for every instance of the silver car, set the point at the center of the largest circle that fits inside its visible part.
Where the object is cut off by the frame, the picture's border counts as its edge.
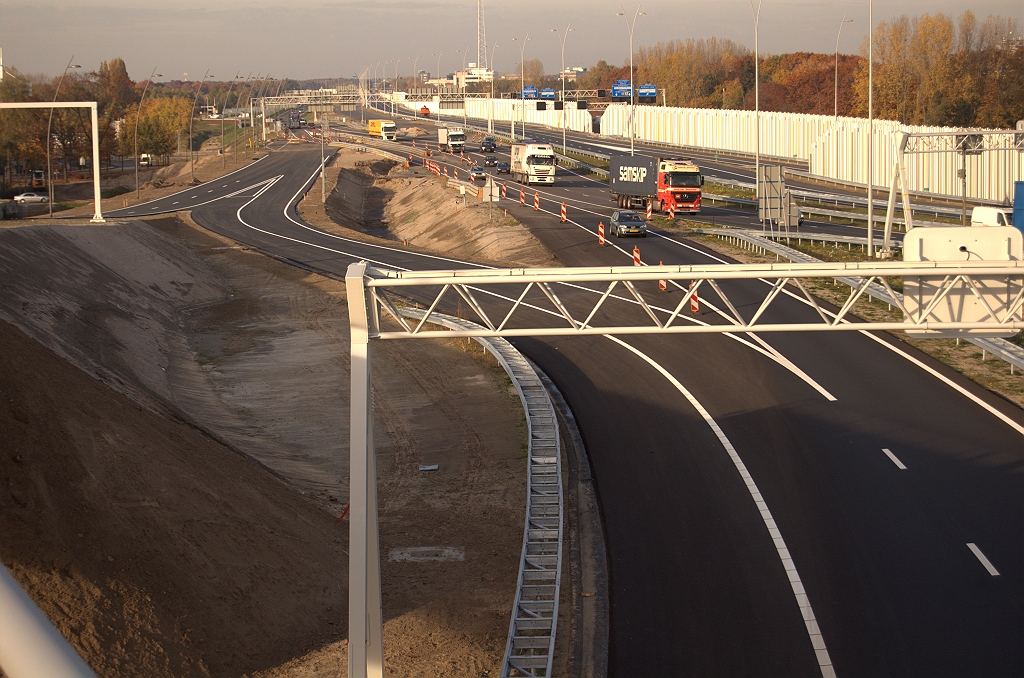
(26, 198)
(628, 222)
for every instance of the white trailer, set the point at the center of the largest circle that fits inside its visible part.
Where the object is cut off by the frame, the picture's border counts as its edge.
(533, 163)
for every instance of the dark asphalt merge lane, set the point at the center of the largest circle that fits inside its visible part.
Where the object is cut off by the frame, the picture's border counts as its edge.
(698, 587)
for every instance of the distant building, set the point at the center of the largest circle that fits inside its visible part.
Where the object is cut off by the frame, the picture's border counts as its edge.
(570, 74)
(472, 75)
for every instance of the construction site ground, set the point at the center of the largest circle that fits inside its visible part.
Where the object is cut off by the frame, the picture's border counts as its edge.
(175, 444)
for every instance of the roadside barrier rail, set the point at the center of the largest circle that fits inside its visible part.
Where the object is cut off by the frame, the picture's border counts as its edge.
(530, 646)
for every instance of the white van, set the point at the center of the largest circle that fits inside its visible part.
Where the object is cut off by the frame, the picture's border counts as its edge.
(992, 216)
(145, 160)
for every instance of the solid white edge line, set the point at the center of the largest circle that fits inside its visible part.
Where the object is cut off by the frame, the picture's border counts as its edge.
(899, 464)
(984, 561)
(1009, 422)
(810, 622)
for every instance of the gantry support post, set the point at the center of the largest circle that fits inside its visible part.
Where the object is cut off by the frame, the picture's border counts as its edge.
(365, 621)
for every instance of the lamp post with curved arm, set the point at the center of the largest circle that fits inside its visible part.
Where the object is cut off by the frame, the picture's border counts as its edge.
(394, 88)
(522, 85)
(415, 77)
(49, 171)
(138, 114)
(191, 155)
(844, 21)
(437, 76)
(562, 37)
(631, 26)
(238, 100)
(490, 108)
(757, 105)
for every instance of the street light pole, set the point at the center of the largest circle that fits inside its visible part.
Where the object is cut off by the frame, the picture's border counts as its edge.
(191, 156)
(415, 79)
(49, 171)
(844, 21)
(563, 37)
(394, 88)
(871, 127)
(490, 107)
(464, 51)
(437, 76)
(631, 26)
(522, 85)
(138, 114)
(757, 104)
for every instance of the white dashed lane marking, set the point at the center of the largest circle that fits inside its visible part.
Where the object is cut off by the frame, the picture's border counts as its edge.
(899, 464)
(984, 561)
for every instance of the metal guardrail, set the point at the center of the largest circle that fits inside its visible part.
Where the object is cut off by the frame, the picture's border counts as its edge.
(530, 646)
(1001, 348)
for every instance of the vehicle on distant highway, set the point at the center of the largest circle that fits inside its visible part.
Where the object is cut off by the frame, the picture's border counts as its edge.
(992, 216)
(636, 180)
(490, 160)
(145, 160)
(477, 173)
(503, 168)
(488, 145)
(385, 129)
(628, 223)
(424, 110)
(26, 198)
(451, 138)
(533, 163)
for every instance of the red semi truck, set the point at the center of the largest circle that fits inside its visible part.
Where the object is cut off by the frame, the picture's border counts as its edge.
(635, 180)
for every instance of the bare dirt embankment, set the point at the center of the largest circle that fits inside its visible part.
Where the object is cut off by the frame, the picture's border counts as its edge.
(374, 198)
(173, 411)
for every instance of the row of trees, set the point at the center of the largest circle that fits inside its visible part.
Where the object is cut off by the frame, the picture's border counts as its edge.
(162, 123)
(928, 70)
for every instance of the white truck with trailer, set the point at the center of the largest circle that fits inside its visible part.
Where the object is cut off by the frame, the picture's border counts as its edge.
(451, 138)
(533, 163)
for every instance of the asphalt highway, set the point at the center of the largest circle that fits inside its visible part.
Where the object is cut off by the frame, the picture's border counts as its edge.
(773, 506)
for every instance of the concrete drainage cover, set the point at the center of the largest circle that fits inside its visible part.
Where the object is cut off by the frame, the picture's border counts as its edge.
(424, 554)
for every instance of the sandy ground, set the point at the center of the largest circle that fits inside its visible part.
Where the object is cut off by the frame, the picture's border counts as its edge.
(174, 459)
(378, 199)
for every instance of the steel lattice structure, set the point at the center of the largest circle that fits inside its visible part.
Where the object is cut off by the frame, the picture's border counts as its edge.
(580, 301)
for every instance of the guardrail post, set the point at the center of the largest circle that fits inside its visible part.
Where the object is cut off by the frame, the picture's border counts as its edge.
(365, 620)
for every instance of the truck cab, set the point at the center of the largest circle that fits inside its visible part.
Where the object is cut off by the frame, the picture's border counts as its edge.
(385, 129)
(451, 139)
(679, 184)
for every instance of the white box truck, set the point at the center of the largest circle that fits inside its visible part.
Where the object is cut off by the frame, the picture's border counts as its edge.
(533, 163)
(451, 138)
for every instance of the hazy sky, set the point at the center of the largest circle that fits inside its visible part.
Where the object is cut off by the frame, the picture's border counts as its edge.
(309, 38)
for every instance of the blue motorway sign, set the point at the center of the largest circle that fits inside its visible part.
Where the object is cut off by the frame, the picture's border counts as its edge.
(529, 92)
(622, 88)
(647, 91)
(547, 93)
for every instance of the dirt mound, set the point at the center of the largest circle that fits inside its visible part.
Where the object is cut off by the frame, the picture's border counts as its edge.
(158, 549)
(387, 201)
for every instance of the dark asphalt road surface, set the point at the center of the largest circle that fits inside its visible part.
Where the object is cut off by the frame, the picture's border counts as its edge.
(698, 586)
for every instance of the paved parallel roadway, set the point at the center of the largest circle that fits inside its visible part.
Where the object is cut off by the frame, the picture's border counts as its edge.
(697, 583)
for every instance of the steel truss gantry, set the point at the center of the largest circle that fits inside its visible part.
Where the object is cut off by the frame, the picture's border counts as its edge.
(965, 142)
(581, 301)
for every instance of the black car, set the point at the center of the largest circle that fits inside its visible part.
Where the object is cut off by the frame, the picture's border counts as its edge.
(490, 160)
(488, 145)
(628, 223)
(503, 167)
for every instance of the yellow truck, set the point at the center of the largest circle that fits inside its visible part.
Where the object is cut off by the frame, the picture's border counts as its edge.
(385, 129)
